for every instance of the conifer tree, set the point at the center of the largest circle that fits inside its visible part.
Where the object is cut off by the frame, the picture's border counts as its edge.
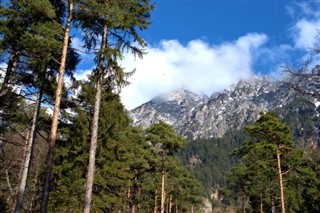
(269, 128)
(167, 143)
(122, 156)
(117, 23)
(272, 168)
(36, 45)
(31, 33)
(58, 92)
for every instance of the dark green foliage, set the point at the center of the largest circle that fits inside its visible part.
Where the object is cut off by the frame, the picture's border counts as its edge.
(126, 164)
(130, 160)
(270, 129)
(211, 159)
(30, 41)
(253, 184)
(184, 188)
(164, 138)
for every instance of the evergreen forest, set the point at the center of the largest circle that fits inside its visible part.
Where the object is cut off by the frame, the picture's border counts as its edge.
(72, 147)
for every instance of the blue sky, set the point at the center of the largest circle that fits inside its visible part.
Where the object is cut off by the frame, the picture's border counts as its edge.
(207, 45)
(216, 21)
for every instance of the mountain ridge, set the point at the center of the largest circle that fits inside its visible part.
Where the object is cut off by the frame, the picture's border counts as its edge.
(196, 115)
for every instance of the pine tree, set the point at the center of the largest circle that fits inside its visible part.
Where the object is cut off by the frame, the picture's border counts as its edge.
(271, 168)
(166, 143)
(58, 92)
(269, 128)
(31, 34)
(116, 22)
(37, 41)
(122, 156)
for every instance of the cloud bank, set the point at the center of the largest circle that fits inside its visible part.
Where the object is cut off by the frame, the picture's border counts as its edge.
(208, 68)
(197, 65)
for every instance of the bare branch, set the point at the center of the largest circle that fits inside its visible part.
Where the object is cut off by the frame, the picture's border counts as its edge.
(10, 142)
(8, 182)
(22, 136)
(283, 173)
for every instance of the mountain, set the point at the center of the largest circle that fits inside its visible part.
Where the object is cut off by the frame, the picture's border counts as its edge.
(175, 108)
(214, 124)
(198, 116)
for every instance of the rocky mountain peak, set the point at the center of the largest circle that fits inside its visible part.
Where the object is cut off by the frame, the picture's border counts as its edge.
(179, 95)
(195, 115)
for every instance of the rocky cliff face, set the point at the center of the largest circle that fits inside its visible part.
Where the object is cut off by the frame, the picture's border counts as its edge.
(195, 115)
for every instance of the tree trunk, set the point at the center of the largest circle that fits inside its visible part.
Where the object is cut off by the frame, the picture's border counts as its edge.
(15, 193)
(261, 203)
(129, 200)
(155, 202)
(170, 204)
(11, 68)
(95, 125)
(243, 207)
(33, 199)
(27, 160)
(55, 117)
(133, 199)
(273, 210)
(163, 196)
(138, 199)
(280, 180)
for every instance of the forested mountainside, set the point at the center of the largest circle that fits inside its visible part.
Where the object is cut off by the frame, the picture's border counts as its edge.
(210, 159)
(214, 125)
(209, 155)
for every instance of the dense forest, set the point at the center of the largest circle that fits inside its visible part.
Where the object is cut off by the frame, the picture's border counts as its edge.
(72, 147)
(233, 167)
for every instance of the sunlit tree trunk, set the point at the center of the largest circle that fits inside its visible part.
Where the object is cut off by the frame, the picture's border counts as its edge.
(261, 203)
(14, 193)
(170, 204)
(163, 196)
(55, 117)
(27, 159)
(95, 124)
(280, 180)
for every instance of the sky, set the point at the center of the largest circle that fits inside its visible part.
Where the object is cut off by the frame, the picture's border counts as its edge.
(207, 45)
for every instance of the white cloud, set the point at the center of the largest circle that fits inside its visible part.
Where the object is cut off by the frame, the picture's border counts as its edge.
(78, 45)
(79, 75)
(82, 74)
(307, 27)
(197, 65)
(306, 32)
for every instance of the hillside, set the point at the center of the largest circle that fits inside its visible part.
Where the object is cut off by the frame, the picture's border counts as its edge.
(213, 125)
